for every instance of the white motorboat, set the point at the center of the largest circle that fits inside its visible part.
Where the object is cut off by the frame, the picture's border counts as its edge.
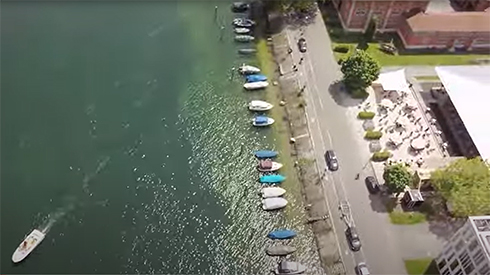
(244, 38)
(259, 105)
(247, 69)
(268, 166)
(272, 192)
(260, 121)
(274, 203)
(256, 85)
(242, 30)
(287, 267)
(26, 246)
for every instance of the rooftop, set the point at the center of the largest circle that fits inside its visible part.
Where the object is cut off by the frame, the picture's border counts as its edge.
(481, 224)
(450, 22)
(469, 90)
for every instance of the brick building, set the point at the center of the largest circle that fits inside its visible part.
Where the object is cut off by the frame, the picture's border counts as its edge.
(356, 14)
(452, 31)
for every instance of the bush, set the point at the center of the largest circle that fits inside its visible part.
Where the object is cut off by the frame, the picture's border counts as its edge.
(381, 156)
(341, 49)
(365, 115)
(373, 135)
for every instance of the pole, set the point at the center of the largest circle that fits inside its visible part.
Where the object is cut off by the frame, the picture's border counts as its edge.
(215, 13)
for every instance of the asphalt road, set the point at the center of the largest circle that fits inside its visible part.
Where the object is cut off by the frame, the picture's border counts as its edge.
(331, 128)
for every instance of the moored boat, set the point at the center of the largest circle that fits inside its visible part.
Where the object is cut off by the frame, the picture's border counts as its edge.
(274, 203)
(242, 30)
(262, 154)
(272, 192)
(256, 85)
(243, 22)
(288, 267)
(259, 105)
(268, 166)
(272, 179)
(247, 69)
(247, 51)
(280, 250)
(27, 246)
(281, 234)
(240, 7)
(256, 78)
(262, 121)
(244, 38)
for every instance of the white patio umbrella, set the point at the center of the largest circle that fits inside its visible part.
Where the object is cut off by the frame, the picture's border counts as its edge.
(418, 144)
(387, 103)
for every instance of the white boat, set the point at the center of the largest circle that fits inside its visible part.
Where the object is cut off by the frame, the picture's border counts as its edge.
(259, 105)
(268, 166)
(27, 245)
(247, 69)
(242, 30)
(274, 203)
(244, 38)
(261, 121)
(256, 85)
(272, 192)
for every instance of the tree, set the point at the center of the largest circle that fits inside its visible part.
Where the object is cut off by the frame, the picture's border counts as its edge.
(465, 184)
(397, 177)
(371, 29)
(360, 70)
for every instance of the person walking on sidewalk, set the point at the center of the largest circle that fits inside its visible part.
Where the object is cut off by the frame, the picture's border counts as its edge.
(301, 60)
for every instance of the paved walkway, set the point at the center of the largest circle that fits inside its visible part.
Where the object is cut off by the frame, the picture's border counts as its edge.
(333, 126)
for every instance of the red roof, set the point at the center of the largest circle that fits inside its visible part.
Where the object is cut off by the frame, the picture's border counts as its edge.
(450, 22)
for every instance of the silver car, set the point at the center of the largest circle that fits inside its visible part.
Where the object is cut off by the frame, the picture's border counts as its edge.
(361, 269)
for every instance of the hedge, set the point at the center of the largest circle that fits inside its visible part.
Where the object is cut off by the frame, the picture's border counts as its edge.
(341, 49)
(373, 134)
(365, 115)
(381, 156)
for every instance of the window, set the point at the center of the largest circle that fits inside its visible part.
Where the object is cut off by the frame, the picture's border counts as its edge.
(396, 11)
(454, 264)
(459, 272)
(459, 245)
(469, 268)
(472, 245)
(360, 12)
(479, 257)
(441, 264)
(446, 272)
(464, 259)
(485, 270)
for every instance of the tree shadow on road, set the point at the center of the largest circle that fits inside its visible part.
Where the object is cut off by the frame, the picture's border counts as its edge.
(381, 203)
(341, 97)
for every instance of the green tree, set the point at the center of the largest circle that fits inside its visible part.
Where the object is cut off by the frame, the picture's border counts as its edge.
(360, 70)
(465, 184)
(304, 6)
(397, 177)
(371, 29)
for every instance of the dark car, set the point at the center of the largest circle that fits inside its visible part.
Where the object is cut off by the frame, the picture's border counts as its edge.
(353, 239)
(362, 269)
(302, 45)
(240, 7)
(372, 184)
(331, 159)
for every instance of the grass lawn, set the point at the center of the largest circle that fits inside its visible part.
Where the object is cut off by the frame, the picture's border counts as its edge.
(400, 217)
(421, 266)
(411, 59)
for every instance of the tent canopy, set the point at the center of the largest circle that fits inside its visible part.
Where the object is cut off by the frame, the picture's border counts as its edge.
(393, 81)
(469, 90)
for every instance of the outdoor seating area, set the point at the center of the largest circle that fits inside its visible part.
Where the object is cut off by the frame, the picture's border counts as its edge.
(407, 127)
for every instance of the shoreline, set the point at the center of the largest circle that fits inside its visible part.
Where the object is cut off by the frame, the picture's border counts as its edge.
(304, 166)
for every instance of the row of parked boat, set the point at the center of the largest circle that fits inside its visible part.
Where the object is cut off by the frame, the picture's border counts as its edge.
(271, 193)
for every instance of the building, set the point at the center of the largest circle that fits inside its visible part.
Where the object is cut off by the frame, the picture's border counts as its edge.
(472, 5)
(453, 31)
(356, 14)
(468, 250)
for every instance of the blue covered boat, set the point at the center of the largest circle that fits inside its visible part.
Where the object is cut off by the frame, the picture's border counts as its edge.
(265, 154)
(272, 179)
(281, 234)
(256, 78)
(261, 121)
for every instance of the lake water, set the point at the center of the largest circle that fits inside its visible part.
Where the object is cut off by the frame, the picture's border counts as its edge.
(125, 136)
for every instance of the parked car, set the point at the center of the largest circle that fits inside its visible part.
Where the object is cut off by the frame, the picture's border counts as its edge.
(331, 159)
(361, 269)
(353, 238)
(302, 45)
(372, 184)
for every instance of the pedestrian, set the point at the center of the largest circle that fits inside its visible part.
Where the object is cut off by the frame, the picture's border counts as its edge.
(301, 60)
(295, 69)
(290, 50)
(304, 87)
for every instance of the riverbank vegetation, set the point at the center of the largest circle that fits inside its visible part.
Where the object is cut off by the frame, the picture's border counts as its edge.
(423, 266)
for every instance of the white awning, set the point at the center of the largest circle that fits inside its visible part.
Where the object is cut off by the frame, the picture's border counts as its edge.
(393, 81)
(469, 90)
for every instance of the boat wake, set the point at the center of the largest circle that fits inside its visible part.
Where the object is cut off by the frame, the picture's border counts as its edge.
(53, 217)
